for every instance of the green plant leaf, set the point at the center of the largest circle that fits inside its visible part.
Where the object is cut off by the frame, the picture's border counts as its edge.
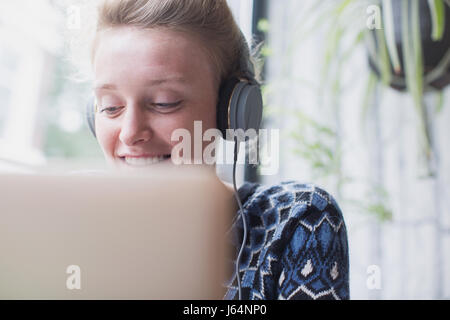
(388, 19)
(368, 95)
(263, 25)
(266, 51)
(359, 38)
(439, 101)
(437, 9)
(384, 65)
(413, 61)
(380, 211)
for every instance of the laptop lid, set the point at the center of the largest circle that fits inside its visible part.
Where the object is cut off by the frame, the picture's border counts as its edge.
(158, 235)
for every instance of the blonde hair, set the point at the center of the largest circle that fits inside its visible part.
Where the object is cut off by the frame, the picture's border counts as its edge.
(211, 21)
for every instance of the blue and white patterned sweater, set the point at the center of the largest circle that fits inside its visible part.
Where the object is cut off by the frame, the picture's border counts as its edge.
(296, 244)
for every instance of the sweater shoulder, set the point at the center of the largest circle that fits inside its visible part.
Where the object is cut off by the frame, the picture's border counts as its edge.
(292, 200)
(278, 218)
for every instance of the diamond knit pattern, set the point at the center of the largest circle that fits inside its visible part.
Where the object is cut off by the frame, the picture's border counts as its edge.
(296, 244)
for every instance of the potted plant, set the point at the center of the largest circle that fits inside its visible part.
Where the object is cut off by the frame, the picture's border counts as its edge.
(411, 52)
(434, 36)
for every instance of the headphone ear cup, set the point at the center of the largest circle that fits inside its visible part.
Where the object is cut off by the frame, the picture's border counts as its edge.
(90, 115)
(239, 107)
(223, 104)
(248, 104)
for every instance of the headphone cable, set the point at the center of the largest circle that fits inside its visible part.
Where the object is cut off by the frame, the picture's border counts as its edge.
(242, 217)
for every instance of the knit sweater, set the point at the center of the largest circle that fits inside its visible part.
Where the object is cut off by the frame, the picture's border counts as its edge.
(296, 244)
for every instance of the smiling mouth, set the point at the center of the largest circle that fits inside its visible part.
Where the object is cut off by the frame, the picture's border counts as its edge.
(144, 161)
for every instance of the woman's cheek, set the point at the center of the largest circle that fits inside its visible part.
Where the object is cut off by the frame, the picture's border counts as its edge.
(107, 139)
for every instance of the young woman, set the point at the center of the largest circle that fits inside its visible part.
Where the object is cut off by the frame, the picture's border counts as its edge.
(160, 65)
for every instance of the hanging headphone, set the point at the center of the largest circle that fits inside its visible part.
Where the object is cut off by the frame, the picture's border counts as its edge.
(240, 101)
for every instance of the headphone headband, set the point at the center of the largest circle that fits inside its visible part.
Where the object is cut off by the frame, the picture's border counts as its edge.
(245, 64)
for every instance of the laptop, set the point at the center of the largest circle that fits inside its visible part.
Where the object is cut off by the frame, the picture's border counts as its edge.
(156, 235)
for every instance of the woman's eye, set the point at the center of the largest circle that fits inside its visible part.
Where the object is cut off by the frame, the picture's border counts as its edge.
(166, 105)
(162, 107)
(110, 110)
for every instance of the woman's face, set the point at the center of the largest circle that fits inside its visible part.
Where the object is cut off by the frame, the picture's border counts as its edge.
(148, 83)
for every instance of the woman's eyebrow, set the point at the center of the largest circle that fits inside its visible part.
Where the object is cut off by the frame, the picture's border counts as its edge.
(105, 86)
(149, 83)
(161, 81)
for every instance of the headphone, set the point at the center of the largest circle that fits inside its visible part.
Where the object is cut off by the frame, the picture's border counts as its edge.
(240, 100)
(239, 106)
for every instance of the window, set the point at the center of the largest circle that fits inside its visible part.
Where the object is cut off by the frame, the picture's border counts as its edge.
(8, 65)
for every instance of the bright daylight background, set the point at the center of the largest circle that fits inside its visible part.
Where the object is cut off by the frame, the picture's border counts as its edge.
(362, 148)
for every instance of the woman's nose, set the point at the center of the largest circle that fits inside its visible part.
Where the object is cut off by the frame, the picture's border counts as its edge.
(135, 128)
